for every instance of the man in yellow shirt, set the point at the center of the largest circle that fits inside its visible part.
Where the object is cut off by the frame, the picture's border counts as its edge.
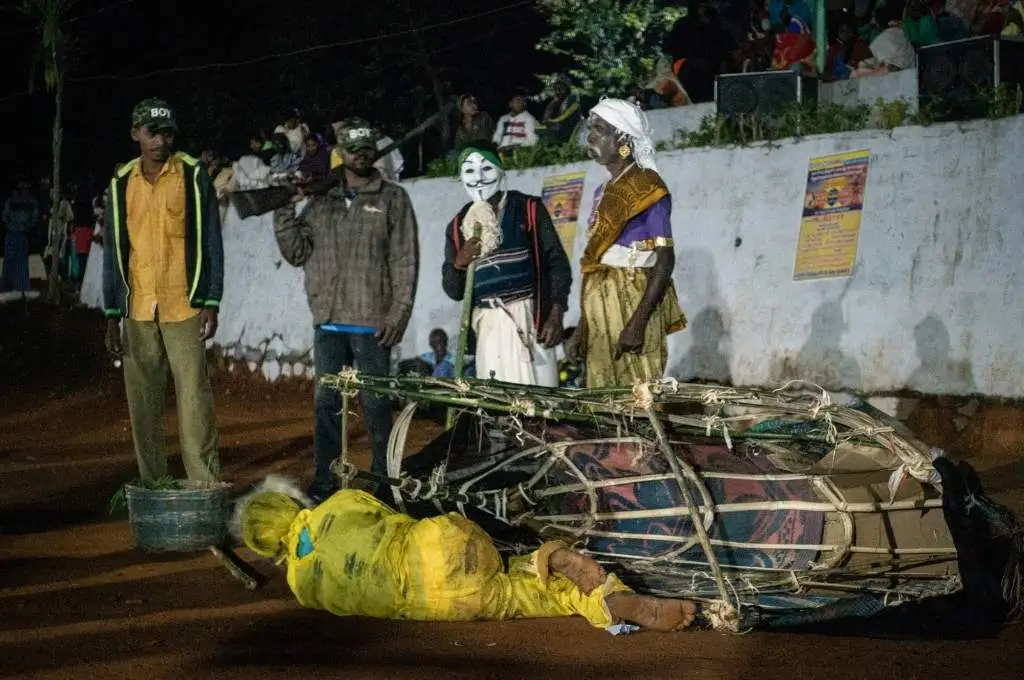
(163, 275)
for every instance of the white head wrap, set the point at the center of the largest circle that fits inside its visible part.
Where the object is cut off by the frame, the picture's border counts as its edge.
(629, 119)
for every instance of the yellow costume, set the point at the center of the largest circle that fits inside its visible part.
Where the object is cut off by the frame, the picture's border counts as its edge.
(612, 293)
(354, 556)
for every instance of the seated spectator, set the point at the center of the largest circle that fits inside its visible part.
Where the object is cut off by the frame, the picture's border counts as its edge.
(474, 125)
(846, 52)
(646, 99)
(316, 163)
(1014, 26)
(284, 162)
(252, 171)
(440, 360)
(891, 49)
(295, 130)
(666, 84)
(516, 128)
(794, 47)
(920, 24)
(991, 17)
(562, 114)
(759, 22)
(704, 46)
(782, 12)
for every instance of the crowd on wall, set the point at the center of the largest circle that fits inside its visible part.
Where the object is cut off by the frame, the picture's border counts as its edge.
(865, 38)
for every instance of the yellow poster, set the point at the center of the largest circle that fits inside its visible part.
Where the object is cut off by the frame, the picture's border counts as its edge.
(562, 195)
(830, 227)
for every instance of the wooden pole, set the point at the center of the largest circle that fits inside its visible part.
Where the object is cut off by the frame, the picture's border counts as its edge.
(467, 317)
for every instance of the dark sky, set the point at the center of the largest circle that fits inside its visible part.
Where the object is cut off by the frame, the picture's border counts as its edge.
(126, 50)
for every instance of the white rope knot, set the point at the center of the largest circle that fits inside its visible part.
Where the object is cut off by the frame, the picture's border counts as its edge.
(344, 471)
(523, 407)
(461, 386)
(643, 398)
(722, 616)
(712, 397)
(348, 376)
(667, 385)
(716, 421)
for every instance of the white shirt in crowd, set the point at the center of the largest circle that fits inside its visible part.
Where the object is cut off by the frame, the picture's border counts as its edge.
(296, 136)
(250, 173)
(516, 130)
(891, 48)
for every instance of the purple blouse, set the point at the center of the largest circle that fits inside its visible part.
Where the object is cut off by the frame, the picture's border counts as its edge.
(650, 229)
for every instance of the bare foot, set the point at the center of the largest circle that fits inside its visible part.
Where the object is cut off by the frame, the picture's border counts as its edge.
(583, 571)
(655, 613)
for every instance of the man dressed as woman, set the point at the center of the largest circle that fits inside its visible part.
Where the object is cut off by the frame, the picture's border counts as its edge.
(629, 305)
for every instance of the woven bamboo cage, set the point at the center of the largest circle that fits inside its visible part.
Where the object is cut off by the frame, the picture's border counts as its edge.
(650, 480)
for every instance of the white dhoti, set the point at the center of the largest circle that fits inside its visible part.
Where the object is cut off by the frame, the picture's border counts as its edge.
(506, 345)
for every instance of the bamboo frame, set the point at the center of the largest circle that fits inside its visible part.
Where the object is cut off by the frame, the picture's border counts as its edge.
(643, 416)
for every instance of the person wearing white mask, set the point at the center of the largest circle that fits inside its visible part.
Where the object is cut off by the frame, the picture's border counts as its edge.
(628, 300)
(521, 279)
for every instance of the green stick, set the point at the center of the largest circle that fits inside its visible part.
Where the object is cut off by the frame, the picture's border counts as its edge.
(467, 315)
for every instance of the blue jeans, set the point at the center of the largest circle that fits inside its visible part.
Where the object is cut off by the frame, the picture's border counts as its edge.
(331, 353)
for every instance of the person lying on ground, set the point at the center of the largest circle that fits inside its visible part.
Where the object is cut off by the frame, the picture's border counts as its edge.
(354, 556)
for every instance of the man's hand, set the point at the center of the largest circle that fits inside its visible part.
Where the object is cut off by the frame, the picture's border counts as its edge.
(469, 252)
(576, 346)
(631, 339)
(388, 335)
(551, 331)
(207, 324)
(112, 341)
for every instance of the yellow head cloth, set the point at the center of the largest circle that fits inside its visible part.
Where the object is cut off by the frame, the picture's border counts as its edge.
(264, 517)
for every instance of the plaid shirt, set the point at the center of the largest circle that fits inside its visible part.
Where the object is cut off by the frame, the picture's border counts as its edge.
(361, 260)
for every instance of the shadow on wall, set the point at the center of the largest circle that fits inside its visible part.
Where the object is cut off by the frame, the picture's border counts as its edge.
(821, 360)
(706, 359)
(938, 373)
(697, 285)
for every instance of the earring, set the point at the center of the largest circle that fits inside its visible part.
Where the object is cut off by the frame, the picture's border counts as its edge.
(624, 151)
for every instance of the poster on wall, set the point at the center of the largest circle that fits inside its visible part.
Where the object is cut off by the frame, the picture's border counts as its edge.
(562, 195)
(830, 226)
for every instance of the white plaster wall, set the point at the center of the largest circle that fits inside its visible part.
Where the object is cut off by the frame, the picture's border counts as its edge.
(666, 122)
(869, 89)
(936, 302)
(853, 92)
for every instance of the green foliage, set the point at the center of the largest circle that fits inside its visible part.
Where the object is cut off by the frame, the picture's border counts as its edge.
(1004, 100)
(794, 120)
(48, 56)
(526, 157)
(119, 501)
(611, 44)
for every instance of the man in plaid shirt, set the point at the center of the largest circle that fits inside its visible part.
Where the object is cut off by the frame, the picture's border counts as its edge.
(359, 248)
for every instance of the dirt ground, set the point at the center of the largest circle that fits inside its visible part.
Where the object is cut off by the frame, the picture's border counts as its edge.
(78, 601)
